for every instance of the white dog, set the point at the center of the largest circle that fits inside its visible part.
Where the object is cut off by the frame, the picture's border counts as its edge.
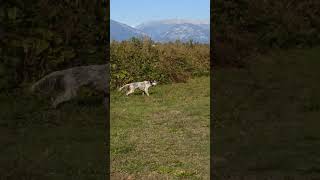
(143, 86)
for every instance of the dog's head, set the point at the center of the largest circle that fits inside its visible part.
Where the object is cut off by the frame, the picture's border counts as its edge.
(153, 83)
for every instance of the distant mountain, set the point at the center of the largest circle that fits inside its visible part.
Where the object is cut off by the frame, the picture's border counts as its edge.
(120, 31)
(173, 29)
(163, 31)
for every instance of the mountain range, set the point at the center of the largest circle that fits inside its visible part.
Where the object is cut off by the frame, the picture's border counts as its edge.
(163, 30)
(120, 31)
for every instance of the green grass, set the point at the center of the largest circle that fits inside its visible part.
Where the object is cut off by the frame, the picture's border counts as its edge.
(42, 143)
(165, 135)
(267, 116)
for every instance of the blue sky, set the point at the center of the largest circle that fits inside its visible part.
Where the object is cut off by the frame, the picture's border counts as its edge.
(134, 12)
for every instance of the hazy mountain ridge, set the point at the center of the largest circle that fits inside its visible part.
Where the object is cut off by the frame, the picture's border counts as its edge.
(186, 32)
(168, 30)
(120, 31)
(174, 21)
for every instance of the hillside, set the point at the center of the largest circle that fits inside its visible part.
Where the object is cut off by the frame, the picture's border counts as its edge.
(120, 31)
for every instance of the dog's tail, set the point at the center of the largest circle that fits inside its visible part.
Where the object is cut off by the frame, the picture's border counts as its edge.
(123, 87)
(47, 83)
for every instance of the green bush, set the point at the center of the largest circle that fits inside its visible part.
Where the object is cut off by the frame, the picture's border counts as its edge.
(138, 60)
(41, 36)
(245, 27)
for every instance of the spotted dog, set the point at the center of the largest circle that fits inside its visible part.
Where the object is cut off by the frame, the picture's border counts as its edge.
(143, 86)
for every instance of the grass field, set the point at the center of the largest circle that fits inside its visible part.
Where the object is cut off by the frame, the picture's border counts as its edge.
(41, 143)
(165, 135)
(267, 117)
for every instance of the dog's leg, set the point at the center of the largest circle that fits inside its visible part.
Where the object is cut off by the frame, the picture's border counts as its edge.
(146, 90)
(66, 96)
(129, 92)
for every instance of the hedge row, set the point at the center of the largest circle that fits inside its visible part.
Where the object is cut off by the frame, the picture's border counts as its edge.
(138, 60)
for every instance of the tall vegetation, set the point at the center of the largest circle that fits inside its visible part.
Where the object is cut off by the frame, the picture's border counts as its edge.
(41, 36)
(137, 60)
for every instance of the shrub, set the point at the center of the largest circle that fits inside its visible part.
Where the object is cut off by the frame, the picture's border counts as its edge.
(138, 60)
(41, 36)
(244, 27)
